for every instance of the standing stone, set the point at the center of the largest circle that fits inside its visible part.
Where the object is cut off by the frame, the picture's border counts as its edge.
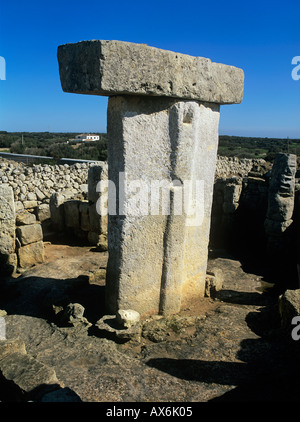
(158, 257)
(162, 127)
(96, 174)
(7, 229)
(72, 215)
(280, 202)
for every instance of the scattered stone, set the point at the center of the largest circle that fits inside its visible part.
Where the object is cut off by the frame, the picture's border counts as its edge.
(109, 325)
(127, 318)
(73, 315)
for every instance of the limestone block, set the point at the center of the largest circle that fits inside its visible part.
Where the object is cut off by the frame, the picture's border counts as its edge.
(31, 254)
(24, 217)
(158, 242)
(7, 228)
(108, 68)
(84, 216)
(43, 212)
(30, 204)
(30, 233)
(56, 202)
(72, 216)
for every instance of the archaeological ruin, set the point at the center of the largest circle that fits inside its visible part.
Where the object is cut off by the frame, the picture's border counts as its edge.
(162, 125)
(167, 273)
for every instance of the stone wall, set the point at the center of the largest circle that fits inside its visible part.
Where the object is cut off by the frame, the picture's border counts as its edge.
(28, 195)
(240, 167)
(34, 184)
(62, 199)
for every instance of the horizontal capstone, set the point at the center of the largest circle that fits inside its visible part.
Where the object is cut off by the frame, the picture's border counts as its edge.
(107, 68)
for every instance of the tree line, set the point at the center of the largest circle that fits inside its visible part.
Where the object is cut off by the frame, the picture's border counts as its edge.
(58, 145)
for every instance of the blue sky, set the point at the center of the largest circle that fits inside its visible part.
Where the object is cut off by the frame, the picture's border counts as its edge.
(261, 37)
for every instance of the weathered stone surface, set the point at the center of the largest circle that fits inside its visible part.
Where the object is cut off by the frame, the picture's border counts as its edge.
(30, 204)
(72, 315)
(24, 217)
(31, 254)
(158, 243)
(289, 307)
(72, 216)
(108, 68)
(7, 220)
(43, 212)
(98, 240)
(281, 199)
(97, 197)
(282, 188)
(84, 216)
(8, 347)
(127, 317)
(110, 325)
(56, 205)
(26, 373)
(30, 233)
(214, 282)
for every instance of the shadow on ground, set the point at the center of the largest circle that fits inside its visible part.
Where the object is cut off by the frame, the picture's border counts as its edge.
(37, 296)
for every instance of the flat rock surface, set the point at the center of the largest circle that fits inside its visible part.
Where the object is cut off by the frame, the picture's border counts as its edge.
(227, 349)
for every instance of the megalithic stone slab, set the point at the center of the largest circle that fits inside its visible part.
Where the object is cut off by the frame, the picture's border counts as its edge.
(162, 156)
(101, 67)
(162, 126)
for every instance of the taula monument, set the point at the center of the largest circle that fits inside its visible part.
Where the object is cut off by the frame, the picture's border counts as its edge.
(162, 128)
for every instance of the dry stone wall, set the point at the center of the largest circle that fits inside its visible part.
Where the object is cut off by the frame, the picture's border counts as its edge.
(64, 198)
(34, 185)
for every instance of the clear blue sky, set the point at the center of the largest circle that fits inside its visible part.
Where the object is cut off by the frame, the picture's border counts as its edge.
(261, 37)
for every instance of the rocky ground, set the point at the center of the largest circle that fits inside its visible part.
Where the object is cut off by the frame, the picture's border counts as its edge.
(227, 348)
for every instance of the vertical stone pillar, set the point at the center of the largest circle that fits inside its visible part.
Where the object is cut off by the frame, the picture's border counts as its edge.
(158, 246)
(281, 199)
(162, 126)
(98, 220)
(7, 230)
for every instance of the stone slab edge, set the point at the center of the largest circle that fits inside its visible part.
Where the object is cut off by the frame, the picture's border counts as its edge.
(100, 67)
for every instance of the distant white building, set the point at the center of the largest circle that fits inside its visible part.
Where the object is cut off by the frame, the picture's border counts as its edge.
(83, 137)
